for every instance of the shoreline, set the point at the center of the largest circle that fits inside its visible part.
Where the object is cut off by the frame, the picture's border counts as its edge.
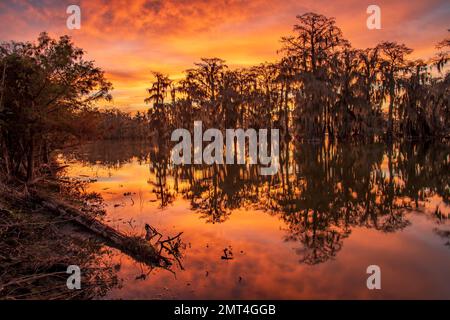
(41, 236)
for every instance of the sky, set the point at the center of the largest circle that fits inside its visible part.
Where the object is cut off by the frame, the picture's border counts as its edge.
(129, 39)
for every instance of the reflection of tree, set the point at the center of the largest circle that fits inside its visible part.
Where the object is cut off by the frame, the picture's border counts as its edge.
(109, 153)
(321, 191)
(324, 190)
(338, 187)
(320, 240)
(209, 197)
(215, 191)
(342, 186)
(159, 166)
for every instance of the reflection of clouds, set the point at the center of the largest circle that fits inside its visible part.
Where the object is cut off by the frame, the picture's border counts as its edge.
(269, 270)
(348, 194)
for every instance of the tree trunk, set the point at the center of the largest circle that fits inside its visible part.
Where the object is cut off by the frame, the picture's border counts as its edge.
(137, 248)
(286, 113)
(6, 159)
(30, 158)
(391, 109)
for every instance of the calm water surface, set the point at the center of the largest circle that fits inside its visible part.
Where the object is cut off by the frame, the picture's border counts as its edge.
(309, 232)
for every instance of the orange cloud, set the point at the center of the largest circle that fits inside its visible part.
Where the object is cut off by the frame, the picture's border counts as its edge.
(130, 38)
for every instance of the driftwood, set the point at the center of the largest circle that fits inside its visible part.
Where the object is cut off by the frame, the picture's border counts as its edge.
(136, 247)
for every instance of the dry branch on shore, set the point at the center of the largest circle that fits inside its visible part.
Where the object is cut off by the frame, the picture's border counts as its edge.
(136, 247)
(35, 253)
(27, 235)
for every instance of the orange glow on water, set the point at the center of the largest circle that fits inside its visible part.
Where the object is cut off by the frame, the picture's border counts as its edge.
(266, 264)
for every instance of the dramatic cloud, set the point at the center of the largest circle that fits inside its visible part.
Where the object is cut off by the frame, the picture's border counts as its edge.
(130, 38)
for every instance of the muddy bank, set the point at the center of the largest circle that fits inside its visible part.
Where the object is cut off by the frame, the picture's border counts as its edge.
(35, 250)
(53, 226)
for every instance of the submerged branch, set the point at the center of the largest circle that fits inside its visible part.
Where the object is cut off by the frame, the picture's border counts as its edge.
(136, 247)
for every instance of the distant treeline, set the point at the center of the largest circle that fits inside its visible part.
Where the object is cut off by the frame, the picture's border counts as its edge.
(320, 87)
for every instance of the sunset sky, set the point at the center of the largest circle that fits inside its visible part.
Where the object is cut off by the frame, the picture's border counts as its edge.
(128, 39)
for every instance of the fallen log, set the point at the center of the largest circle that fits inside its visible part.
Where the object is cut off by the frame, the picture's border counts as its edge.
(136, 247)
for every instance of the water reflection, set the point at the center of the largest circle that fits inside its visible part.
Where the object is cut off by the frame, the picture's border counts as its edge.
(321, 194)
